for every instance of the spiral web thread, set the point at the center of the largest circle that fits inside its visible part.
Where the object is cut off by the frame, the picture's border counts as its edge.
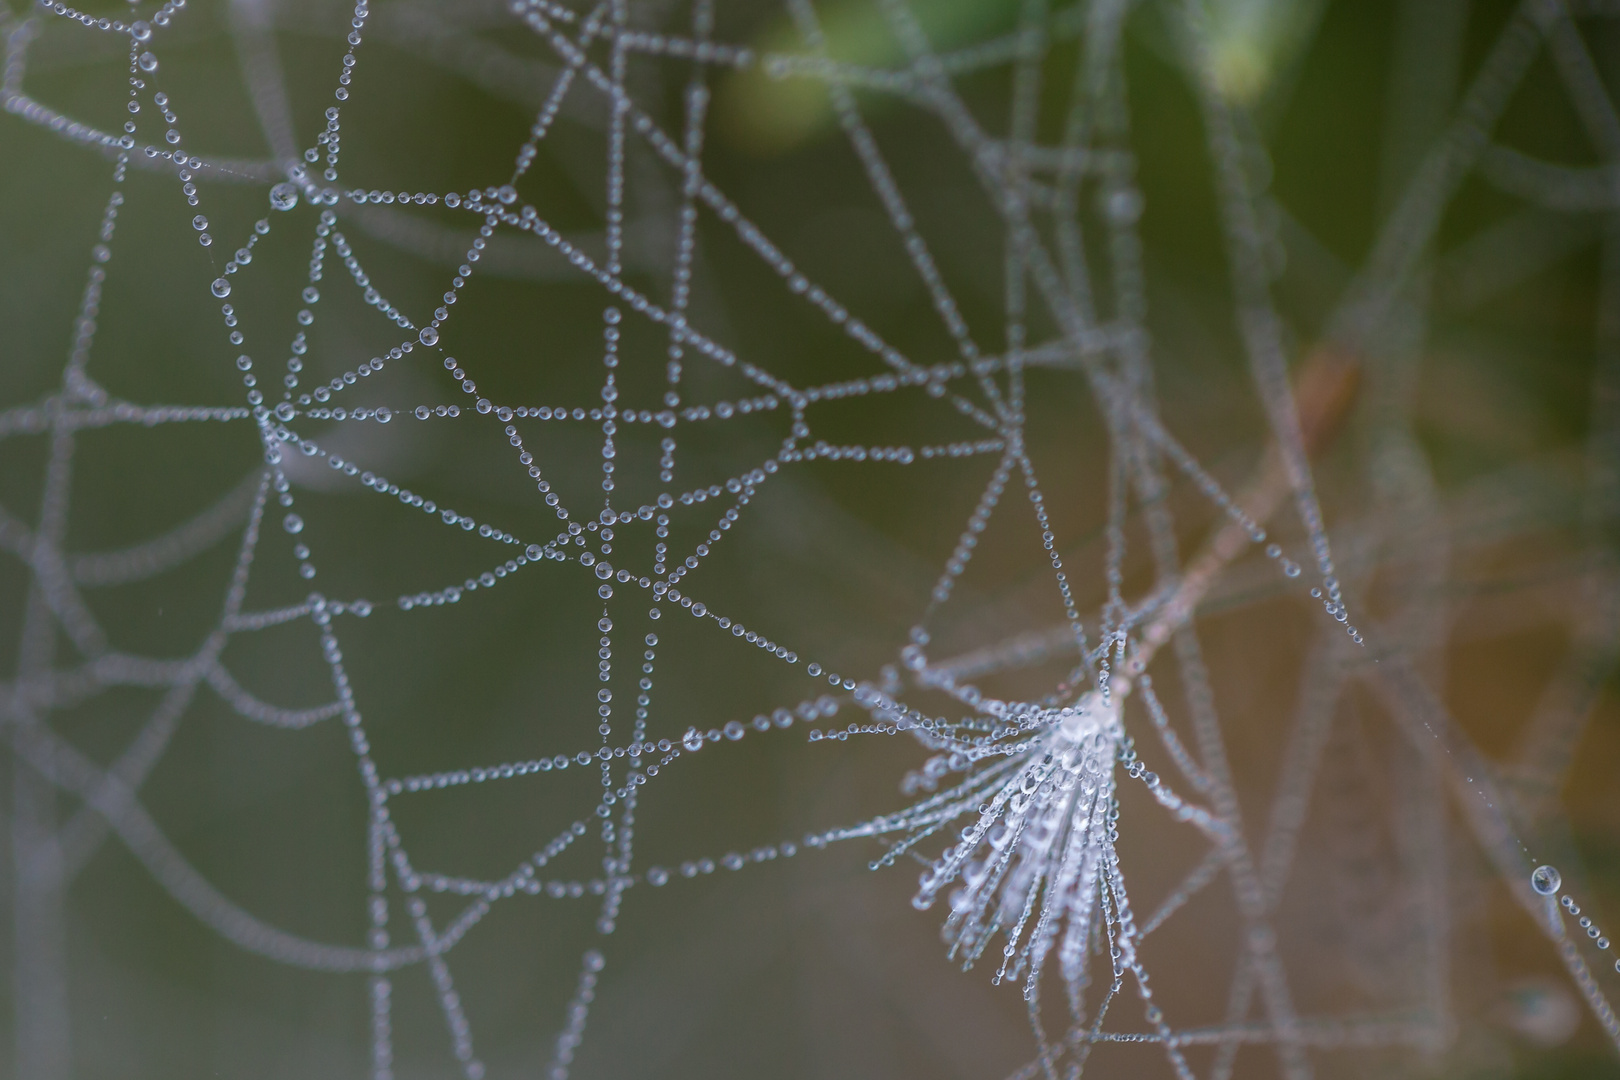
(1035, 190)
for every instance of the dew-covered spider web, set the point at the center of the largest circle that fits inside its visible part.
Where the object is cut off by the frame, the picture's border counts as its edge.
(494, 442)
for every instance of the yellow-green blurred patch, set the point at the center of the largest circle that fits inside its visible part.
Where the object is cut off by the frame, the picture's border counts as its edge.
(1252, 41)
(767, 113)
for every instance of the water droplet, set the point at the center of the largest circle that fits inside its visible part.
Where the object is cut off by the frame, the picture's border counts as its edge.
(1546, 880)
(221, 288)
(429, 336)
(293, 523)
(283, 196)
(1124, 207)
(204, 239)
(147, 62)
(243, 256)
(1290, 568)
(199, 223)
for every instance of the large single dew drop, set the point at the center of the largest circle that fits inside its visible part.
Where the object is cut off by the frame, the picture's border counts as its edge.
(221, 288)
(293, 523)
(429, 336)
(148, 63)
(199, 223)
(1546, 880)
(284, 196)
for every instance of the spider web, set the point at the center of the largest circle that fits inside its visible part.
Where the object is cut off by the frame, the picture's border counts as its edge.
(628, 492)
